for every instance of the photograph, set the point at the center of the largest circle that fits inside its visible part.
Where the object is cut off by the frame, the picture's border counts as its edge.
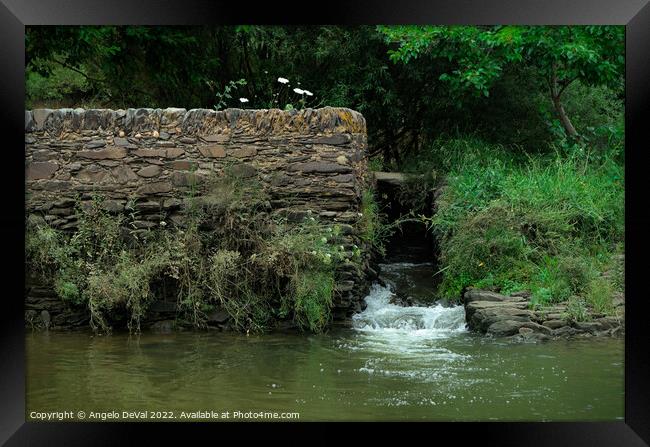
(340, 223)
(418, 214)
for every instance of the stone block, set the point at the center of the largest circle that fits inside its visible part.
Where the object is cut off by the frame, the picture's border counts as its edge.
(182, 165)
(150, 171)
(174, 152)
(41, 170)
(150, 152)
(155, 188)
(213, 151)
(244, 152)
(103, 154)
(319, 167)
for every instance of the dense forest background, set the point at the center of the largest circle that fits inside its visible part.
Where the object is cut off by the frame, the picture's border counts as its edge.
(413, 84)
(523, 126)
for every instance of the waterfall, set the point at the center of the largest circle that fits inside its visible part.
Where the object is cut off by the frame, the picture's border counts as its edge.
(380, 315)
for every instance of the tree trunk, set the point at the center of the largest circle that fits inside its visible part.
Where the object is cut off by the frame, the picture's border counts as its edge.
(556, 92)
(564, 118)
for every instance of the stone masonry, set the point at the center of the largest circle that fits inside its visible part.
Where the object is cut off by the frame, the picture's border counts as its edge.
(308, 160)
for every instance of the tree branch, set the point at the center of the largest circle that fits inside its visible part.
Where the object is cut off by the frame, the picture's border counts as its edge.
(70, 67)
(566, 84)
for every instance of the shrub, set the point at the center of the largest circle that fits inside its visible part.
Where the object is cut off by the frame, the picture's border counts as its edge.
(541, 225)
(576, 309)
(61, 88)
(312, 297)
(231, 251)
(599, 294)
(372, 230)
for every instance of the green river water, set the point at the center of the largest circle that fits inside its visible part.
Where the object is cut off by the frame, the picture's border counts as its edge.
(394, 363)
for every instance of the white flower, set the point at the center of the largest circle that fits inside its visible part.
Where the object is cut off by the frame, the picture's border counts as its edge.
(163, 223)
(323, 240)
(283, 80)
(243, 100)
(308, 93)
(328, 255)
(299, 91)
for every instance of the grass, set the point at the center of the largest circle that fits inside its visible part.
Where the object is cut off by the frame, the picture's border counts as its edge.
(312, 296)
(371, 228)
(550, 224)
(369, 222)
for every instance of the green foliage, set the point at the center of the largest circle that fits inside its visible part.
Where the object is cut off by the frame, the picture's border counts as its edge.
(551, 281)
(312, 295)
(480, 55)
(126, 284)
(593, 54)
(543, 225)
(231, 252)
(225, 96)
(96, 266)
(260, 263)
(373, 230)
(598, 111)
(375, 164)
(127, 65)
(62, 87)
(577, 310)
(599, 295)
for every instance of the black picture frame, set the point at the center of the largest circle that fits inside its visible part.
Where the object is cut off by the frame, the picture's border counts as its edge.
(15, 14)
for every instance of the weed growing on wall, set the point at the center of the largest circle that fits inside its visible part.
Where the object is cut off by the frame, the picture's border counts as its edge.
(100, 265)
(231, 251)
(373, 229)
(283, 95)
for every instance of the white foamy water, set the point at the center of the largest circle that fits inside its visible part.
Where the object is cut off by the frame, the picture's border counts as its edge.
(407, 342)
(423, 322)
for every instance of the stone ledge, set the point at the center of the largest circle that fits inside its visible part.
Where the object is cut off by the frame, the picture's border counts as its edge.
(210, 125)
(499, 315)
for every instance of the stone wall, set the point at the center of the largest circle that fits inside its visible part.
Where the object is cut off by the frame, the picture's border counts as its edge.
(307, 160)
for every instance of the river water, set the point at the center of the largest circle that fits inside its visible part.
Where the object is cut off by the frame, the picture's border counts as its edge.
(394, 363)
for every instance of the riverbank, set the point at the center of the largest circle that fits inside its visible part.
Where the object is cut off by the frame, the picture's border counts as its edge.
(407, 287)
(389, 362)
(494, 314)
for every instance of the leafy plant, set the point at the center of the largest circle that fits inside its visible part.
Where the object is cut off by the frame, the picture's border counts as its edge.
(373, 229)
(599, 295)
(231, 251)
(224, 97)
(577, 309)
(560, 54)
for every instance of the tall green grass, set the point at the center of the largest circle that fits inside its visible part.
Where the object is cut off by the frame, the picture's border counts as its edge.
(549, 224)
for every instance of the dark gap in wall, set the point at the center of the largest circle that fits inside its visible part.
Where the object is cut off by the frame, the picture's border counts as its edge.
(411, 260)
(412, 242)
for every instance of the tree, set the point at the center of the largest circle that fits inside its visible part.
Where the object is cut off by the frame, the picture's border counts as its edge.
(130, 66)
(561, 55)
